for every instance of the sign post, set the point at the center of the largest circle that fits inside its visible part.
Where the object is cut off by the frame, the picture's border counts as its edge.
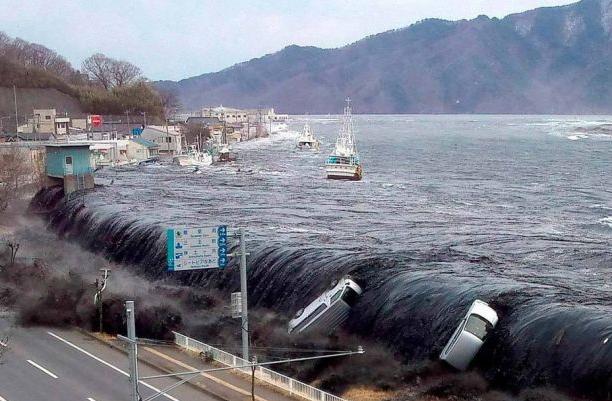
(206, 248)
(243, 293)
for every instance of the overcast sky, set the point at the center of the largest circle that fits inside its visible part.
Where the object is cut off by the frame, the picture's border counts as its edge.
(175, 40)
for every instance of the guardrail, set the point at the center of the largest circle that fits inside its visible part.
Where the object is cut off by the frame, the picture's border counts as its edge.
(283, 382)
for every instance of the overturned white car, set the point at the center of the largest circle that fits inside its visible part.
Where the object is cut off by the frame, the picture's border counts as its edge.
(470, 335)
(329, 310)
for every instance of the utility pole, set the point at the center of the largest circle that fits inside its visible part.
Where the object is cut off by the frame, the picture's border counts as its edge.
(132, 348)
(16, 118)
(243, 293)
(144, 113)
(101, 286)
(253, 378)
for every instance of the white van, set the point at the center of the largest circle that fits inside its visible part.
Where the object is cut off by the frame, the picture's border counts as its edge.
(329, 310)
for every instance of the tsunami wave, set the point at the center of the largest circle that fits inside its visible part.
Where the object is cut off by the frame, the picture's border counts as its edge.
(412, 300)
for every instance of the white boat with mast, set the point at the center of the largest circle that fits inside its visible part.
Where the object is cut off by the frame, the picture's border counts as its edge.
(307, 140)
(343, 163)
(193, 157)
(224, 149)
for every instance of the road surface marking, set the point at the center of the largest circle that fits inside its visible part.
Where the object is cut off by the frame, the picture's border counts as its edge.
(88, 399)
(102, 361)
(31, 362)
(4, 345)
(2, 399)
(213, 378)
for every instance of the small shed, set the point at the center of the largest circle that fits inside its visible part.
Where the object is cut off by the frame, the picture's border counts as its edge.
(71, 163)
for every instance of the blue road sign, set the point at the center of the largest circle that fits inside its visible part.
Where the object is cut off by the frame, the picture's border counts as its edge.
(197, 248)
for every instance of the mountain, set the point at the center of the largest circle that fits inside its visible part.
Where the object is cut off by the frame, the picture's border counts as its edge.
(549, 60)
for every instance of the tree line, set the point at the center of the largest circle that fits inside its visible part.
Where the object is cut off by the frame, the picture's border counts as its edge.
(102, 85)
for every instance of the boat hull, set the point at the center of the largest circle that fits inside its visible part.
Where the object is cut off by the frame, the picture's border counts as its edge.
(343, 172)
(304, 145)
(186, 161)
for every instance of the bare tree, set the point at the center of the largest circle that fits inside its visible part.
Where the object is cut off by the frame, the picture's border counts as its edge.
(16, 170)
(5, 42)
(124, 73)
(111, 73)
(99, 69)
(33, 55)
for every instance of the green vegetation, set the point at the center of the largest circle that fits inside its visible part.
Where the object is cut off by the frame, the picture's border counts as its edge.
(103, 86)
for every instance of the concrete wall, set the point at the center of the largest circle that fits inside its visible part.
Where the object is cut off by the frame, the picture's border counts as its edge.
(73, 183)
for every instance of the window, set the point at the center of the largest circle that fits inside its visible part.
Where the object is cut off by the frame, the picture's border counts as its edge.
(68, 159)
(477, 326)
(350, 296)
(47, 117)
(335, 297)
(169, 139)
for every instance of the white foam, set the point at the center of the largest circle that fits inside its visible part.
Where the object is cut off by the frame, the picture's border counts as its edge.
(263, 142)
(577, 137)
(606, 221)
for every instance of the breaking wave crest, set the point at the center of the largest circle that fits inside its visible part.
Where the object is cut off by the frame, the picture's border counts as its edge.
(412, 301)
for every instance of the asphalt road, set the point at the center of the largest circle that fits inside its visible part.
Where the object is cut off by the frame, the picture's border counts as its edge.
(63, 365)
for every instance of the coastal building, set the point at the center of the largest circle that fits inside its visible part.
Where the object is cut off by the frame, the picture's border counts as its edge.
(43, 121)
(140, 149)
(226, 114)
(232, 115)
(70, 165)
(207, 122)
(61, 126)
(168, 139)
(108, 152)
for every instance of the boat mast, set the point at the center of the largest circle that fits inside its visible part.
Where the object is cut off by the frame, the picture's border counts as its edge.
(346, 139)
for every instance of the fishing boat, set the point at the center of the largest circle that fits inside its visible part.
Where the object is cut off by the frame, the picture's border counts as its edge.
(193, 157)
(343, 163)
(225, 154)
(223, 150)
(307, 140)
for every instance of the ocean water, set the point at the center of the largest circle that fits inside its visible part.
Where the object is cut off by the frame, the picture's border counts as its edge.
(514, 210)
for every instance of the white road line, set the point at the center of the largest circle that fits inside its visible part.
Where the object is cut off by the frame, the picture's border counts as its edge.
(2, 399)
(88, 399)
(102, 361)
(31, 362)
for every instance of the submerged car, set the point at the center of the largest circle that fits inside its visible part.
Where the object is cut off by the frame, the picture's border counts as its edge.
(329, 310)
(470, 335)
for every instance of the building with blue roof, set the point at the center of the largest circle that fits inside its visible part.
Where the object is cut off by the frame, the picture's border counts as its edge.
(140, 149)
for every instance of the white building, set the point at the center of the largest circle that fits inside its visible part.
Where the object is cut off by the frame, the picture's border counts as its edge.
(231, 115)
(140, 149)
(61, 125)
(168, 138)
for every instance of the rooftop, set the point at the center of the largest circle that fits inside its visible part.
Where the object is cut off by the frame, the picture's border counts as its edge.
(145, 142)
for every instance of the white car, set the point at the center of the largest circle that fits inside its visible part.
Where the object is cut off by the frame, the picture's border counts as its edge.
(470, 335)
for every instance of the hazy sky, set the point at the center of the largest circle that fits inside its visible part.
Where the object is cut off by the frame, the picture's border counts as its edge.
(174, 40)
